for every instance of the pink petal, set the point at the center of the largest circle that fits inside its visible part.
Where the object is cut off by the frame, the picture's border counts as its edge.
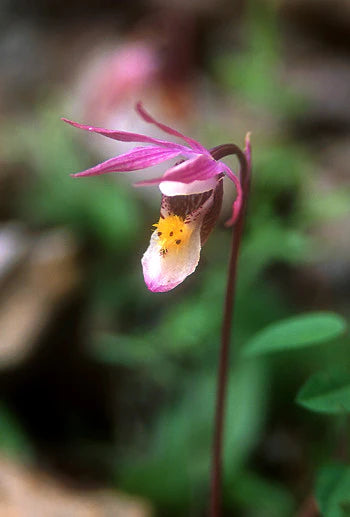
(137, 158)
(125, 136)
(148, 118)
(237, 204)
(200, 168)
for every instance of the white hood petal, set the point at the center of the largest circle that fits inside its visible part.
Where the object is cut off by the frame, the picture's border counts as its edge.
(176, 188)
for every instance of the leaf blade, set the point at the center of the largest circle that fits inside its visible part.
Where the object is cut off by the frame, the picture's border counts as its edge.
(333, 490)
(326, 392)
(301, 331)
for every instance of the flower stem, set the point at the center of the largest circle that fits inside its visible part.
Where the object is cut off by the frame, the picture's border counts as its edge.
(216, 470)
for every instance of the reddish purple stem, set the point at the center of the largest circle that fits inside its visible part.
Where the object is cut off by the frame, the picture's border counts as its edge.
(216, 470)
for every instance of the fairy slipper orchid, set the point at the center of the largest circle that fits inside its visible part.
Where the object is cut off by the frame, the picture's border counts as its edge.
(192, 195)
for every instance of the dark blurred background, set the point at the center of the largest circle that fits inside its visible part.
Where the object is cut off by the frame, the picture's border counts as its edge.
(107, 390)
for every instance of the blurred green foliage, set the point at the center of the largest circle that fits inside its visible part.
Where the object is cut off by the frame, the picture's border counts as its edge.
(259, 496)
(333, 490)
(94, 209)
(256, 71)
(327, 392)
(174, 472)
(13, 440)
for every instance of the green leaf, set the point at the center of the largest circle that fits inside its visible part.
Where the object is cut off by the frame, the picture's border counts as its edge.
(326, 392)
(333, 490)
(298, 332)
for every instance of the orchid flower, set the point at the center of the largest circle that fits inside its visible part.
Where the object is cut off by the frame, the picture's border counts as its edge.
(191, 190)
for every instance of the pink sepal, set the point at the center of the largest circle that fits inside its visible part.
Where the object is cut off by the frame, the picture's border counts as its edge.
(237, 205)
(148, 118)
(137, 158)
(125, 136)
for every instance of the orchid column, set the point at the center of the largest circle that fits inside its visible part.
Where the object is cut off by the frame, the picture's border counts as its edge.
(191, 201)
